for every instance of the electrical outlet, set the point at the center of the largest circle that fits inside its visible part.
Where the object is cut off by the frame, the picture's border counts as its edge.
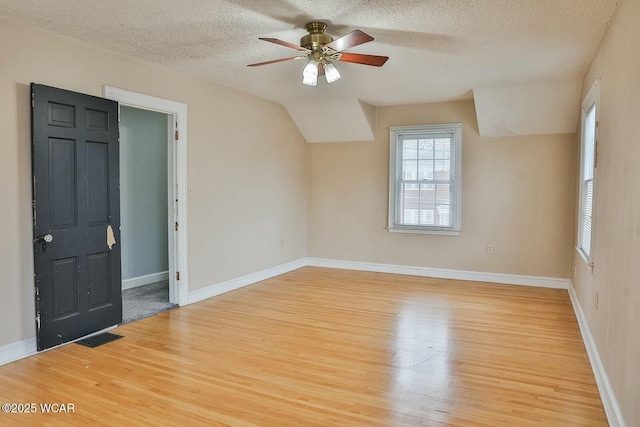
(490, 249)
(596, 299)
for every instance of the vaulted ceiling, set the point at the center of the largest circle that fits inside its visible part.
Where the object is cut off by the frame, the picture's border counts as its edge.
(521, 61)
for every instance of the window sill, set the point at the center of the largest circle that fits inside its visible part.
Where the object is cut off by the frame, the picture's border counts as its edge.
(585, 259)
(423, 230)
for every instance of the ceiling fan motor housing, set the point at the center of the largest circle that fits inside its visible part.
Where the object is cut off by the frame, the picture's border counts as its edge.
(316, 37)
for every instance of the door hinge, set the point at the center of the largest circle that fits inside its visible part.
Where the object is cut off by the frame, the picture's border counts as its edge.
(176, 227)
(177, 135)
(177, 275)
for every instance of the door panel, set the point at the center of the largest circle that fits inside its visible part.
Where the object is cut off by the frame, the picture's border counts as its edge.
(76, 198)
(62, 183)
(99, 266)
(98, 183)
(61, 115)
(65, 288)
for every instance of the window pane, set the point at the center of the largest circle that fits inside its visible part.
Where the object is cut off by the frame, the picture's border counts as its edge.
(442, 216)
(410, 170)
(443, 194)
(411, 195)
(410, 149)
(442, 170)
(400, 206)
(427, 196)
(427, 204)
(425, 169)
(586, 218)
(443, 202)
(409, 202)
(425, 149)
(443, 148)
(427, 217)
(589, 143)
(410, 217)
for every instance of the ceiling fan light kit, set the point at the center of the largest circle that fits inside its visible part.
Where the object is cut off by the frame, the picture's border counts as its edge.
(321, 50)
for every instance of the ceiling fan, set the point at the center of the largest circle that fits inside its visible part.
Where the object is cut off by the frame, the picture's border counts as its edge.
(321, 50)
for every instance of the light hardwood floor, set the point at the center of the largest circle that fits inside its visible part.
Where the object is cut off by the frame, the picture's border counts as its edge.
(323, 347)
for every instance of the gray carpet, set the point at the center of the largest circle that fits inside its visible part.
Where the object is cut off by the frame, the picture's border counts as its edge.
(145, 301)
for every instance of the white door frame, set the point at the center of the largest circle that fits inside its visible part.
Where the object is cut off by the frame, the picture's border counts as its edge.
(177, 185)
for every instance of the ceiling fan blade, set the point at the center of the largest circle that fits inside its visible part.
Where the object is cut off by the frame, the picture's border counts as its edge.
(275, 61)
(354, 38)
(359, 58)
(284, 43)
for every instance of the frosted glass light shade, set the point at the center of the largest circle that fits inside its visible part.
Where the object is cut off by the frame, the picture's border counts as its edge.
(331, 73)
(310, 73)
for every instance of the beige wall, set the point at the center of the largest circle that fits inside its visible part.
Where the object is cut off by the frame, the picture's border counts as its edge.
(517, 194)
(246, 164)
(615, 325)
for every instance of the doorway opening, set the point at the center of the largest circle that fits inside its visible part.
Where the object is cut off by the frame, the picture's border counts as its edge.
(144, 212)
(154, 260)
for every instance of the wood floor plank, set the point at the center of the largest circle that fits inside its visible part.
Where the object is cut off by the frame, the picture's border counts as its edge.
(325, 347)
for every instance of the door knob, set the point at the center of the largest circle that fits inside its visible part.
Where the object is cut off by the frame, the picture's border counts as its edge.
(47, 238)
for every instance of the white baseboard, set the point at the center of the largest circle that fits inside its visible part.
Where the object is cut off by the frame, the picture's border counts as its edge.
(249, 279)
(609, 401)
(17, 350)
(21, 349)
(510, 279)
(147, 279)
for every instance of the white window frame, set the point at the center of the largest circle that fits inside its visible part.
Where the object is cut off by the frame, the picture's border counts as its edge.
(394, 223)
(590, 101)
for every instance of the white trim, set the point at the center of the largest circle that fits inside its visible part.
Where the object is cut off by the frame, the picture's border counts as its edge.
(607, 396)
(29, 347)
(422, 230)
(395, 132)
(239, 282)
(147, 279)
(509, 279)
(18, 350)
(178, 260)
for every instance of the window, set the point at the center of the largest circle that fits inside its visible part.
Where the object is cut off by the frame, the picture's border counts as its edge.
(425, 179)
(588, 163)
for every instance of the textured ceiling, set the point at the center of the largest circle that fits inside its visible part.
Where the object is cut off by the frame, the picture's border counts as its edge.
(439, 50)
